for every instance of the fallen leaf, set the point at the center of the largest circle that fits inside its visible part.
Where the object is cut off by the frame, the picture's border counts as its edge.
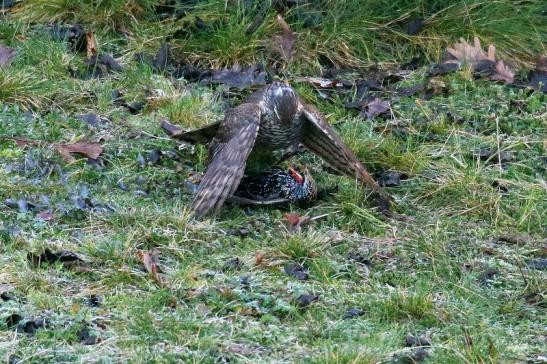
(6, 293)
(487, 276)
(481, 63)
(94, 300)
(67, 258)
(353, 312)
(90, 150)
(7, 4)
(411, 340)
(91, 119)
(413, 356)
(305, 300)
(140, 160)
(259, 258)
(502, 73)
(375, 108)
(539, 264)
(232, 264)
(241, 232)
(519, 239)
(169, 128)
(86, 338)
(13, 320)
(150, 262)
(443, 69)
(21, 142)
(390, 179)
(105, 60)
(98, 66)
(295, 220)
(190, 72)
(465, 53)
(297, 271)
(74, 35)
(536, 359)
(161, 60)
(320, 82)
(363, 95)
(31, 325)
(200, 23)
(538, 77)
(134, 108)
(154, 156)
(45, 215)
(484, 68)
(415, 26)
(384, 205)
(411, 90)
(413, 64)
(434, 87)
(491, 155)
(91, 49)
(24, 206)
(7, 296)
(237, 78)
(6, 55)
(285, 43)
(359, 258)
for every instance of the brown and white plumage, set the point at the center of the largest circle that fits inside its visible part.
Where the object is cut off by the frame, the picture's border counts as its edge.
(271, 118)
(231, 147)
(319, 138)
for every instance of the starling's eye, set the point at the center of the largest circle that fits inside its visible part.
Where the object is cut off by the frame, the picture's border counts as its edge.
(297, 177)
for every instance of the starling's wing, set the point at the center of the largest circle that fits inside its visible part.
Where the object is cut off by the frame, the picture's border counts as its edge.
(202, 135)
(233, 143)
(245, 201)
(320, 138)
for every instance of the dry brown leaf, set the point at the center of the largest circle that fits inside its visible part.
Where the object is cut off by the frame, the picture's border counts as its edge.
(375, 108)
(259, 258)
(492, 53)
(465, 53)
(538, 77)
(541, 63)
(6, 55)
(295, 220)
(45, 215)
(150, 262)
(473, 55)
(502, 73)
(91, 44)
(285, 43)
(21, 142)
(169, 128)
(90, 150)
(319, 82)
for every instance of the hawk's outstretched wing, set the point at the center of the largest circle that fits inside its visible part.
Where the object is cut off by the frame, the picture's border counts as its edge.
(233, 143)
(320, 138)
(202, 135)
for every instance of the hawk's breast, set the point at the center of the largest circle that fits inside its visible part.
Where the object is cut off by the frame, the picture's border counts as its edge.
(276, 135)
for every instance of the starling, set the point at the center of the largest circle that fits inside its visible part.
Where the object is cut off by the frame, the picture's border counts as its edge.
(275, 187)
(272, 118)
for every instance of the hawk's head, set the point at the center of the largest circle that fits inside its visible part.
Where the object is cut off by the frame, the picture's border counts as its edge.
(281, 101)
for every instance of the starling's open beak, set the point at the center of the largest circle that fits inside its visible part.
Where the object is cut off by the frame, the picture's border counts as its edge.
(297, 177)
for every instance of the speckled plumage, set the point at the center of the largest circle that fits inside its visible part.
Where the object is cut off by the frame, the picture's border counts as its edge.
(271, 118)
(275, 187)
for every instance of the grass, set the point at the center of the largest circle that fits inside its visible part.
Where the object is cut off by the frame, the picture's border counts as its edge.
(440, 272)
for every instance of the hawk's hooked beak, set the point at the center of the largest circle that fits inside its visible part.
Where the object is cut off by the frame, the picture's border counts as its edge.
(297, 177)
